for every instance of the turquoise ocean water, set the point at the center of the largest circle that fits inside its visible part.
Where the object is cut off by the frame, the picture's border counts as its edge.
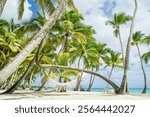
(131, 90)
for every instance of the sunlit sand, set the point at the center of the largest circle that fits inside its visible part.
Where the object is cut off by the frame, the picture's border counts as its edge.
(70, 95)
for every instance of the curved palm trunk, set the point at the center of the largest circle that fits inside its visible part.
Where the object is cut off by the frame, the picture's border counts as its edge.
(2, 5)
(17, 84)
(122, 51)
(6, 72)
(122, 88)
(142, 66)
(111, 71)
(115, 87)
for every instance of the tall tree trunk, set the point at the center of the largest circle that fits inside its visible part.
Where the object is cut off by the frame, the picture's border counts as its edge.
(92, 79)
(115, 87)
(122, 88)
(111, 71)
(2, 5)
(63, 89)
(78, 80)
(6, 72)
(122, 51)
(91, 83)
(121, 46)
(142, 66)
(17, 84)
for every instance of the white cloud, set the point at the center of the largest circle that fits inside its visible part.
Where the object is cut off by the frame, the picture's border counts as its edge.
(10, 10)
(95, 16)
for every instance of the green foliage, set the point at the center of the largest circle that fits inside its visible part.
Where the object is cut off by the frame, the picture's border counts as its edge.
(67, 26)
(63, 59)
(146, 57)
(113, 59)
(68, 73)
(118, 19)
(46, 78)
(21, 8)
(137, 37)
(46, 6)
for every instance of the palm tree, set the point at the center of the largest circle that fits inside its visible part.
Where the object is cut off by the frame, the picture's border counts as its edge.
(102, 50)
(137, 39)
(118, 20)
(2, 5)
(122, 88)
(112, 60)
(87, 53)
(12, 66)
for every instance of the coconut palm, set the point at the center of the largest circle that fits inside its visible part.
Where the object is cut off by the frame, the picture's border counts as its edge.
(113, 60)
(88, 54)
(102, 50)
(122, 88)
(13, 65)
(137, 39)
(118, 20)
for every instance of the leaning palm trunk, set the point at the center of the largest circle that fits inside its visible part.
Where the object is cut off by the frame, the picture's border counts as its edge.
(6, 72)
(2, 5)
(122, 88)
(106, 88)
(17, 84)
(115, 87)
(142, 66)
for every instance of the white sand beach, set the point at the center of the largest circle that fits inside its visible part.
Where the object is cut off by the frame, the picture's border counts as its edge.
(47, 95)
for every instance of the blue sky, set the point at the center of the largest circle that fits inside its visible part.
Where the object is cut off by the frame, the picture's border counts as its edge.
(96, 13)
(34, 7)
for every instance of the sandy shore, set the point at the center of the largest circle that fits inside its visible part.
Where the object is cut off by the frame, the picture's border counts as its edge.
(47, 95)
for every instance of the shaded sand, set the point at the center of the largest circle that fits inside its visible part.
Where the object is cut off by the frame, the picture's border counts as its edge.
(47, 95)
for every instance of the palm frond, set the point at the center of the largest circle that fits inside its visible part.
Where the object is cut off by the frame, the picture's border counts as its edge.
(146, 57)
(21, 8)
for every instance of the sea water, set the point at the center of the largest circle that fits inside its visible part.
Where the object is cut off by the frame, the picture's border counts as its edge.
(131, 90)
